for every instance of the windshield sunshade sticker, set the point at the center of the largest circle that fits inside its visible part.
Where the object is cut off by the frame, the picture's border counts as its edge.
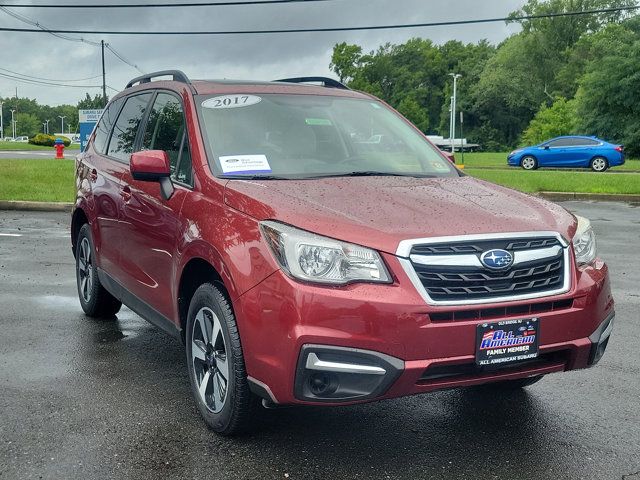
(245, 164)
(318, 121)
(231, 101)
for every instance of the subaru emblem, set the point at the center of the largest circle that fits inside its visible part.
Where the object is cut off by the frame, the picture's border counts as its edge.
(496, 259)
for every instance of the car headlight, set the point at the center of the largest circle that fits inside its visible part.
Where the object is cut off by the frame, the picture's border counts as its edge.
(314, 258)
(584, 242)
(515, 152)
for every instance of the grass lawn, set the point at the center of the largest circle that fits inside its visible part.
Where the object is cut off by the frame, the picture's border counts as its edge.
(37, 180)
(52, 180)
(559, 181)
(499, 159)
(18, 146)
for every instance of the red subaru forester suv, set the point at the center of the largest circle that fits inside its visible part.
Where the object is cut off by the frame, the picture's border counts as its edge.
(310, 246)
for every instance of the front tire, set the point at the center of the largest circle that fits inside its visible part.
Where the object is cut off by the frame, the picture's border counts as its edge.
(529, 163)
(215, 362)
(95, 300)
(599, 164)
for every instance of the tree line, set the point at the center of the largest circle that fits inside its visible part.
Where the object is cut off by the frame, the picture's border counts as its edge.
(557, 76)
(30, 116)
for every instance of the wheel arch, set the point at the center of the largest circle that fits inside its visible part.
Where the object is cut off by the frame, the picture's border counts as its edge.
(195, 272)
(78, 219)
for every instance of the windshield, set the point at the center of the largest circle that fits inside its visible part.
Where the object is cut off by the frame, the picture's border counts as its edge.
(303, 136)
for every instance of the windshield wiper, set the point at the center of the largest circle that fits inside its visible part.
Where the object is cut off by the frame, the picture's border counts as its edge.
(374, 173)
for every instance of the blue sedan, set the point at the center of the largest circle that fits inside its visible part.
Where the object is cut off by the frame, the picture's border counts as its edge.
(571, 152)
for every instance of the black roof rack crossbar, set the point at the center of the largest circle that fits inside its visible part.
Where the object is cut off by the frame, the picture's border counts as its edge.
(177, 75)
(327, 82)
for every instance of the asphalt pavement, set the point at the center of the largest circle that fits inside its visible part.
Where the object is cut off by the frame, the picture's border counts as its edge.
(81, 398)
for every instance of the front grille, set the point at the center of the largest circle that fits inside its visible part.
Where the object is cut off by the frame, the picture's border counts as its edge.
(452, 271)
(501, 312)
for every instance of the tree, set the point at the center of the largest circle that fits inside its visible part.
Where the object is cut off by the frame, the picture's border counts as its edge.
(549, 122)
(88, 103)
(608, 99)
(344, 61)
(27, 124)
(509, 91)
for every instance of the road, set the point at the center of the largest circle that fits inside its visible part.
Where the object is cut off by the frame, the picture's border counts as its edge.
(110, 399)
(37, 154)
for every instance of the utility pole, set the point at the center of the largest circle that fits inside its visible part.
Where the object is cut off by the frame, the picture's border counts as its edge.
(1, 123)
(104, 82)
(462, 135)
(62, 117)
(13, 124)
(47, 123)
(452, 134)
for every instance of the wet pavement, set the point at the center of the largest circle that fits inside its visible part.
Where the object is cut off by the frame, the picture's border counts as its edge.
(81, 398)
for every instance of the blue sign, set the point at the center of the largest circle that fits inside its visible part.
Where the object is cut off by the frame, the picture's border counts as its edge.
(88, 120)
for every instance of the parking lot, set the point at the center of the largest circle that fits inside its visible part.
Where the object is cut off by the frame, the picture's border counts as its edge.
(110, 399)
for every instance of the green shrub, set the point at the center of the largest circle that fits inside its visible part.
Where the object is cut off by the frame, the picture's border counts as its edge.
(47, 140)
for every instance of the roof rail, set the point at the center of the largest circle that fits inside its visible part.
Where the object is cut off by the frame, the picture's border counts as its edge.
(177, 75)
(327, 82)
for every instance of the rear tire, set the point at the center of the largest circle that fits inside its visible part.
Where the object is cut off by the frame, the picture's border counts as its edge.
(529, 163)
(599, 164)
(215, 363)
(95, 300)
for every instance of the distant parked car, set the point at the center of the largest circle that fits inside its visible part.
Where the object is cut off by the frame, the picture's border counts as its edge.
(569, 151)
(22, 139)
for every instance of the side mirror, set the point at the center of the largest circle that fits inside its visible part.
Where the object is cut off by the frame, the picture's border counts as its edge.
(153, 166)
(546, 147)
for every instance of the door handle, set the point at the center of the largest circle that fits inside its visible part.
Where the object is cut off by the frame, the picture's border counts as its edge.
(125, 193)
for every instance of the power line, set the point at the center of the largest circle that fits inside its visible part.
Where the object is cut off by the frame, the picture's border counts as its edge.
(332, 29)
(41, 27)
(39, 82)
(122, 58)
(51, 79)
(159, 5)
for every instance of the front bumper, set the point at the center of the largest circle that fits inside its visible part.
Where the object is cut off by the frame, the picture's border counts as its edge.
(282, 322)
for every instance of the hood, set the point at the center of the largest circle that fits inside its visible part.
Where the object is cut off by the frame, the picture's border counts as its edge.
(379, 212)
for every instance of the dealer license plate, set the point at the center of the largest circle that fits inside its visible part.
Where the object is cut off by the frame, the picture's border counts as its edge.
(507, 341)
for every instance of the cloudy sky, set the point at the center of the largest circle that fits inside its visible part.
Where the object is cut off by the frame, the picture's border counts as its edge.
(262, 57)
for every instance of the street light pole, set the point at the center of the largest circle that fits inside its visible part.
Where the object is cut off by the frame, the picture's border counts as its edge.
(452, 135)
(13, 124)
(47, 132)
(62, 117)
(1, 123)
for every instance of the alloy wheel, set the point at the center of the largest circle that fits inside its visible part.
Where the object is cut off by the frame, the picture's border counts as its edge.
(209, 358)
(85, 270)
(528, 163)
(599, 164)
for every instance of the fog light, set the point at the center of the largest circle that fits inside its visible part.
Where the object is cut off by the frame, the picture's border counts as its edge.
(323, 384)
(600, 339)
(335, 374)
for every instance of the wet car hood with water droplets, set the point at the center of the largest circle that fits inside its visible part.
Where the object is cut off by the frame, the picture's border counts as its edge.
(379, 212)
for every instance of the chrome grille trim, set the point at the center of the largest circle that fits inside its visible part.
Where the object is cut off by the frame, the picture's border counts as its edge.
(455, 259)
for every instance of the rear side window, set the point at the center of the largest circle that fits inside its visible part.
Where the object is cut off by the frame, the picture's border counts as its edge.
(104, 125)
(124, 134)
(166, 131)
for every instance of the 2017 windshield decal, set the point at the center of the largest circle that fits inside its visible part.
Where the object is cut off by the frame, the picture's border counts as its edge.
(231, 101)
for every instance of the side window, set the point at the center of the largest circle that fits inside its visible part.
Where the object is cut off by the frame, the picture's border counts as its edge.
(563, 142)
(104, 125)
(124, 133)
(166, 131)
